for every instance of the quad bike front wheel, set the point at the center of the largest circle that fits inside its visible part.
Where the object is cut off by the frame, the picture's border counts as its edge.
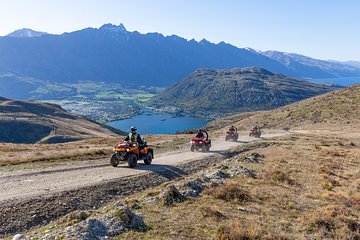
(207, 148)
(148, 159)
(114, 160)
(132, 160)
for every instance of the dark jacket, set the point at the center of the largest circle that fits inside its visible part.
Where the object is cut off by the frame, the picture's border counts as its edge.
(200, 135)
(134, 137)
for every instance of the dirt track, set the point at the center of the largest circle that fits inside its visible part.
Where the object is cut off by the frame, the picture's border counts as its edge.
(26, 184)
(27, 197)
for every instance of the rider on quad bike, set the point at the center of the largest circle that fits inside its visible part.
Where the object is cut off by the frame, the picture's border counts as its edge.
(132, 149)
(255, 132)
(134, 137)
(232, 134)
(200, 134)
(200, 142)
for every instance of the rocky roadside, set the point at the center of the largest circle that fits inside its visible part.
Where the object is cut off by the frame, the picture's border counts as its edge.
(22, 215)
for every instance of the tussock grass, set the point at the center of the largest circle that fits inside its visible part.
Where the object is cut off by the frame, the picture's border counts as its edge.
(212, 212)
(279, 176)
(230, 191)
(235, 230)
(74, 217)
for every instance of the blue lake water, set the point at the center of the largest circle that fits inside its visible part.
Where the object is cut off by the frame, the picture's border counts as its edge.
(345, 81)
(153, 123)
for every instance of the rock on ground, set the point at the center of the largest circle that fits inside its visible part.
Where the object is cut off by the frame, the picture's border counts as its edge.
(104, 226)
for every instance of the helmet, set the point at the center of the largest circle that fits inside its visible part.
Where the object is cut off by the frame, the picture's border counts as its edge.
(133, 128)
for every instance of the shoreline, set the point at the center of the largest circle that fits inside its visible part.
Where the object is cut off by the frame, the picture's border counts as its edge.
(173, 122)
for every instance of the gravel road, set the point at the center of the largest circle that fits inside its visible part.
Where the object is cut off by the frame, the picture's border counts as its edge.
(35, 197)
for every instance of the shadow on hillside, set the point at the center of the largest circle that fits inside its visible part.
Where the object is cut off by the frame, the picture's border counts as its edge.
(167, 171)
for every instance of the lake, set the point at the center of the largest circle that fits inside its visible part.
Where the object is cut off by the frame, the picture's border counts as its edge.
(345, 81)
(158, 123)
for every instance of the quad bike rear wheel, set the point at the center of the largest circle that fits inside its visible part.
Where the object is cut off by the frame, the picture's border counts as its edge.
(132, 160)
(114, 160)
(148, 159)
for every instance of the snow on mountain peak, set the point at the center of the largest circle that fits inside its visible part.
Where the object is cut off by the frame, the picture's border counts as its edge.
(113, 28)
(26, 32)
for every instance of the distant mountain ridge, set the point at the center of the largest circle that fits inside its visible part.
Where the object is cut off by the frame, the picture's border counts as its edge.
(353, 63)
(313, 68)
(219, 92)
(113, 54)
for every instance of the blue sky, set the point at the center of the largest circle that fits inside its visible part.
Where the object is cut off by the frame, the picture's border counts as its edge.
(324, 29)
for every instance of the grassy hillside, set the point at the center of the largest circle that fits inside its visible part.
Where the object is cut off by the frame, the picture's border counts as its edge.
(340, 107)
(224, 91)
(301, 186)
(32, 122)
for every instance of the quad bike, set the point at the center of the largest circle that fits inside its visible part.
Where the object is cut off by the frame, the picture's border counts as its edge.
(232, 135)
(254, 132)
(202, 144)
(125, 151)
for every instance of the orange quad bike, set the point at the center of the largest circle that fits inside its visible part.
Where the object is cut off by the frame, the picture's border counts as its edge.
(131, 153)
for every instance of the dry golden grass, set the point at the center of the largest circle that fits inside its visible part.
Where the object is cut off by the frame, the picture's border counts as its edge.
(286, 201)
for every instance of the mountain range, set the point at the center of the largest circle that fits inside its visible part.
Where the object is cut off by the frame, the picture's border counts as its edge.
(219, 92)
(113, 54)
